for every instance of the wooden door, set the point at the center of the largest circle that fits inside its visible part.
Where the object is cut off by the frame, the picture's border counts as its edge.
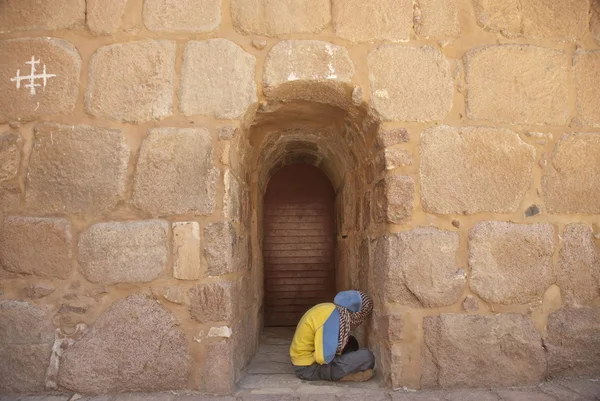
(298, 247)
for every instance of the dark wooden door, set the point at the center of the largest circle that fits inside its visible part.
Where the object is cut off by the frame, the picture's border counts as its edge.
(298, 247)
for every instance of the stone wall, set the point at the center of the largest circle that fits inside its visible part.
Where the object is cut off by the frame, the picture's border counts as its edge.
(462, 138)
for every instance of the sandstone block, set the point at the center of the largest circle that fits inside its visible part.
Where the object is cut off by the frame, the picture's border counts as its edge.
(40, 246)
(10, 155)
(182, 16)
(175, 172)
(471, 351)
(399, 198)
(220, 245)
(219, 371)
(420, 268)
(395, 158)
(132, 82)
(398, 73)
(587, 76)
(366, 21)
(232, 206)
(9, 198)
(571, 183)
(76, 169)
(268, 18)
(29, 15)
(528, 83)
(123, 252)
(560, 19)
(27, 99)
(186, 251)
(217, 79)
(502, 16)
(212, 302)
(157, 356)
(434, 18)
(474, 169)
(387, 138)
(573, 343)
(306, 60)
(26, 338)
(104, 17)
(511, 263)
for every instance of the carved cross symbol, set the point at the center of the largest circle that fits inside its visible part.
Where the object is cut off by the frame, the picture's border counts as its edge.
(32, 77)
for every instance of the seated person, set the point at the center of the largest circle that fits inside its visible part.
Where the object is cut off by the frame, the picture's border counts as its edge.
(322, 348)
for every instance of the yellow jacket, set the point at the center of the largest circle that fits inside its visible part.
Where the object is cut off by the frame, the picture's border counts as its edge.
(314, 340)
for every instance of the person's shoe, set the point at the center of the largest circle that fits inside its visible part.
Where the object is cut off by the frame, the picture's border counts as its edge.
(359, 376)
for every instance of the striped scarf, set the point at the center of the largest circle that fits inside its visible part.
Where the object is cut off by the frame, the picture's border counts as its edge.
(350, 320)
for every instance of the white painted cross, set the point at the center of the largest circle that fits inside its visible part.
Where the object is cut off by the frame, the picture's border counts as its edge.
(32, 77)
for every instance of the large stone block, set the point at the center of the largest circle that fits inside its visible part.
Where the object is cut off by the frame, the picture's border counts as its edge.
(434, 18)
(186, 251)
(220, 244)
(40, 246)
(517, 84)
(481, 351)
(132, 82)
(136, 345)
(104, 17)
(219, 370)
(29, 98)
(419, 268)
(212, 302)
(573, 343)
(502, 16)
(182, 16)
(76, 169)
(511, 263)
(399, 198)
(123, 252)
(10, 155)
(26, 338)
(571, 181)
(366, 21)
(555, 19)
(474, 169)
(175, 172)
(217, 79)
(28, 15)
(269, 18)
(399, 73)
(587, 76)
(232, 200)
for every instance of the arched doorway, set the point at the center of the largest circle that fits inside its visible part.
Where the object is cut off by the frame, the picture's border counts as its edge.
(298, 243)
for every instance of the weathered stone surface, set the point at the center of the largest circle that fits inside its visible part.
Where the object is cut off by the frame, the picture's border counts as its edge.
(578, 265)
(27, 15)
(104, 17)
(392, 137)
(26, 337)
(186, 251)
(587, 76)
(420, 268)
(232, 206)
(76, 169)
(10, 155)
(399, 73)
(219, 372)
(182, 16)
(212, 302)
(268, 18)
(573, 343)
(529, 84)
(571, 181)
(365, 21)
(511, 263)
(220, 244)
(36, 291)
(395, 158)
(9, 198)
(40, 246)
(391, 327)
(175, 173)
(502, 16)
(123, 252)
(217, 79)
(437, 18)
(399, 193)
(523, 395)
(55, 95)
(157, 356)
(469, 350)
(595, 18)
(174, 294)
(474, 169)
(470, 304)
(133, 81)
(560, 19)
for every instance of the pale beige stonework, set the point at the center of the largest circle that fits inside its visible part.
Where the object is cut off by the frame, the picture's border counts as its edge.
(595, 18)
(9, 198)
(132, 82)
(571, 181)
(369, 21)
(394, 199)
(395, 158)
(220, 244)
(474, 169)
(217, 79)
(437, 18)
(28, 15)
(502, 16)
(212, 302)
(529, 84)
(555, 19)
(386, 138)
(186, 251)
(587, 76)
(10, 155)
(105, 17)
(410, 83)
(280, 17)
(232, 198)
(182, 15)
